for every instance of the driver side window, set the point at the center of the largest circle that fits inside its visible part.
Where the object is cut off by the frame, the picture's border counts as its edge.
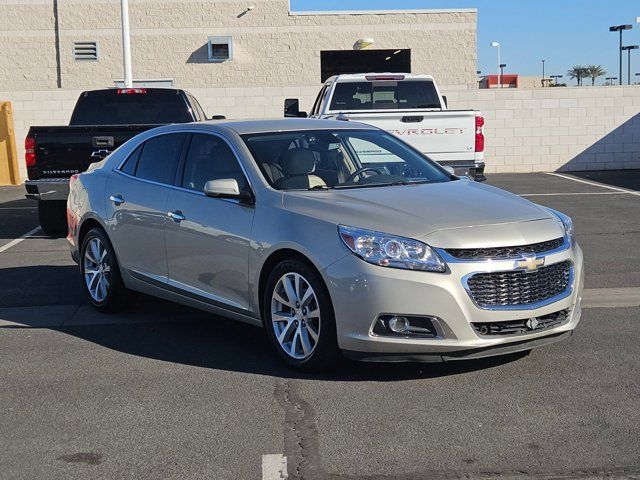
(210, 158)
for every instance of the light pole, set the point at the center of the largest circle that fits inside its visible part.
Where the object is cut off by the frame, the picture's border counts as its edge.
(497, 45)
(543, 76)
(502, 67)
(628, 48)
(555, 78)
(126, 43)
(610, 80)
(620, 28)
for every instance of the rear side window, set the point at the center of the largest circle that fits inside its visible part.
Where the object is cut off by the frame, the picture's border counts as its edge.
(159, 158)
(131, 163)
(385, 95)
(210, 158)
(145, 106)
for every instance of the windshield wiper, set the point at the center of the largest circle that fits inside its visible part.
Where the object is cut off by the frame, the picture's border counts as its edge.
(388, 184)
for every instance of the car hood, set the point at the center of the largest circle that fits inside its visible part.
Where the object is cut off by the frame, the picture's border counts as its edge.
(420, 211)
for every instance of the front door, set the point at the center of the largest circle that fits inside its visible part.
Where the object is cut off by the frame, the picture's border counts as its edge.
(136, 205)
(208, 239)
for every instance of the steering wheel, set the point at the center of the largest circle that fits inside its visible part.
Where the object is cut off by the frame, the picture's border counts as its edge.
(360, 171)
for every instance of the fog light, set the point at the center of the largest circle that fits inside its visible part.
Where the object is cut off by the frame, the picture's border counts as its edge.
(399, 324)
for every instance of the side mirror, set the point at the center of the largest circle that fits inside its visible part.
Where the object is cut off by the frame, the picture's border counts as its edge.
(292, 108)
(226, 188)
(218, 117)
(446, 103)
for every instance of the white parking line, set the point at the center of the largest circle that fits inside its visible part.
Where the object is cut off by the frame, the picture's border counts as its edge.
(595, 184)
(274, 467)
(570, 193)
(15, 242)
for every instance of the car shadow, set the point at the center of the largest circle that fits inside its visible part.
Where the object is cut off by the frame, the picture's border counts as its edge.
(165, 331)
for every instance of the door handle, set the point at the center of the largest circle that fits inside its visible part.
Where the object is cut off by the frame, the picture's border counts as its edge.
(176, 216)
(117, 200)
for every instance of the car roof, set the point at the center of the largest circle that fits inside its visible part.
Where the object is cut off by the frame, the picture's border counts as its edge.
(285, 125)
(353, 77)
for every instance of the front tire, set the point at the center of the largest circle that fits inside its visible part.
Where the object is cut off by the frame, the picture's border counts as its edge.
(101, 277)
(52, 215)
(299, 318)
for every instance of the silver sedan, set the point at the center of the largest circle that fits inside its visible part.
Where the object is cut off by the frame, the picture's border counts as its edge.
(336, 237)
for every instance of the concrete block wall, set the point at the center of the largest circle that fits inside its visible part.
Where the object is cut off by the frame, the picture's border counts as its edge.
(587, 128)
(550, 129)
(272, 46)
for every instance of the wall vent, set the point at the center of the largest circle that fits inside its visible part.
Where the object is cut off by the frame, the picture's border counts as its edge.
(220, 49)
(85, 51)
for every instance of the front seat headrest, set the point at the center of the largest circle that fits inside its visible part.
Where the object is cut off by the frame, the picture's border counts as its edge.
(299, 161)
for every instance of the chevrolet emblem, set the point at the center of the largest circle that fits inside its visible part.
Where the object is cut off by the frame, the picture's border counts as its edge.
(529, 264)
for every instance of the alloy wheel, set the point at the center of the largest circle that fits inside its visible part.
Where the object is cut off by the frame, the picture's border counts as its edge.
(97, 269)
(295, 314)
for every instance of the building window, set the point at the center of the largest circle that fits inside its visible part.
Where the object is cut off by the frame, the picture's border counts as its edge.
(85, 51)
(220, 49)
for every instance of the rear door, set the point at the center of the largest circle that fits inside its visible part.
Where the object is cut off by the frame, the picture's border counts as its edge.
(208, 240)
(136, 204)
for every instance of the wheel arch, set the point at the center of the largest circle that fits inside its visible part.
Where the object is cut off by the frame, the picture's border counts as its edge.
(270, 263)
(88, 224)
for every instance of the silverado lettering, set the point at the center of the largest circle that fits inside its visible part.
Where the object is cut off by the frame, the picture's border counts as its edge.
(428, 131)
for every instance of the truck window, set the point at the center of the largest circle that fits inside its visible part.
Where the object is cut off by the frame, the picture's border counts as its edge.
(144, 106)
(385, 95)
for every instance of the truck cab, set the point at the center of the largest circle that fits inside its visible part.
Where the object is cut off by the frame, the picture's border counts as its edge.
(409, 106)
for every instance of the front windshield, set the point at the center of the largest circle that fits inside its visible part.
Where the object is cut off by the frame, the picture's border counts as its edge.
(328, 159)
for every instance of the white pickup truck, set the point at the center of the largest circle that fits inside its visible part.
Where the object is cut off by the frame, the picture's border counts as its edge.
(411, 107)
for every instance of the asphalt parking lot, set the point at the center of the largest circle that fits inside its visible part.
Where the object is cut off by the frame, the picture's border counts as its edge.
(163, 391)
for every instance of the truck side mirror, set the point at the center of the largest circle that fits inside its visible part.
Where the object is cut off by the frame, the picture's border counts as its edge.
(444, 99)
(292, 108)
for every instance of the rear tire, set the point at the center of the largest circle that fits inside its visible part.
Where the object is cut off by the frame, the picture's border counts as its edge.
(299, 318)
(52, 215)
(100, 271)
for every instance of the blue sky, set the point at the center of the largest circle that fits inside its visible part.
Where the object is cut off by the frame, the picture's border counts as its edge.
(564, 32)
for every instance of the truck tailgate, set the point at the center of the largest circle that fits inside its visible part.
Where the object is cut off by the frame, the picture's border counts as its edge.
(436, 132)
(63, 151)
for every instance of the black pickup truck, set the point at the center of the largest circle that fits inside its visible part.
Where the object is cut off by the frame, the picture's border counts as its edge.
(102, 120)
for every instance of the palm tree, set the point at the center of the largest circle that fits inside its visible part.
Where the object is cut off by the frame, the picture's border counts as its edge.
(595, 71)
(578, 72)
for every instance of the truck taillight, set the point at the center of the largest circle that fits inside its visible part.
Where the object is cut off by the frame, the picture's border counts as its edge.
(30, 151)
(132, 91)
(479, 134)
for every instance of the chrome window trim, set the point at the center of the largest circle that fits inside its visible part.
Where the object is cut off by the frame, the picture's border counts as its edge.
(451, 259)
(532, 306)
(118, 168)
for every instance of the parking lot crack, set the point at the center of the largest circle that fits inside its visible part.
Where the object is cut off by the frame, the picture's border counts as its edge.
(301, 441)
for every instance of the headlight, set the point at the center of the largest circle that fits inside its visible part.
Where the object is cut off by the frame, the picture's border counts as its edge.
(568, 225)
(391, 251)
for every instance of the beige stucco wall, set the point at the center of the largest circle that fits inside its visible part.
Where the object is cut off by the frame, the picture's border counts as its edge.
(586, 128)
(272, 46)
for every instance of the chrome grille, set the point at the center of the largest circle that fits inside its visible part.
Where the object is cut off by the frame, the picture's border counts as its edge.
(501, 253)
(521, 327)
(519, 288)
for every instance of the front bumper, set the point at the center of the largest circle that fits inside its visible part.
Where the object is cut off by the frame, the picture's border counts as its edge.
(47, 189)
(361, 292)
